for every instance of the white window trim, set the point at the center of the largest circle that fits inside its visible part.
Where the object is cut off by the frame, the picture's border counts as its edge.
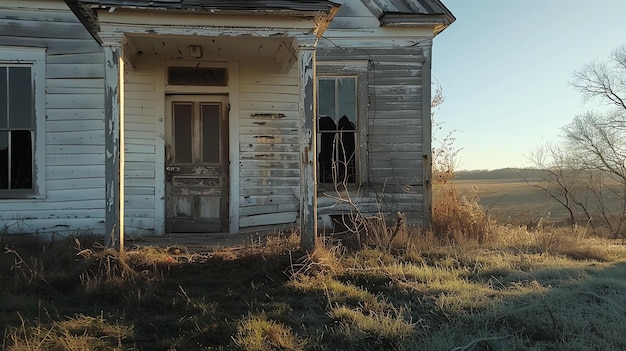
(36, 58)
(358, 69)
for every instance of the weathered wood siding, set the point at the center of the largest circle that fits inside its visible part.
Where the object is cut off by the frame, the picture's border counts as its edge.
(74, 178)
(143, 127)
(269, 142)
(395, 118)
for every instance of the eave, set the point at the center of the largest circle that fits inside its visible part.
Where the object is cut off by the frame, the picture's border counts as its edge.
(438, 22)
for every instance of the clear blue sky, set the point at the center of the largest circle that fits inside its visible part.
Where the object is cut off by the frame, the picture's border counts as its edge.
(505, 65)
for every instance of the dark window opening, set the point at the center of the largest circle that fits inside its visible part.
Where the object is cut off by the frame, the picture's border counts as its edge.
(200, 76)
(337, 130)
(16, 128)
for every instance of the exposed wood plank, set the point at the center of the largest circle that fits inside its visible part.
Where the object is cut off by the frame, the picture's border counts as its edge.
(75, 58)
(276, 89)
(75, 195)
(139, 201)
(30, 13)
(69, 113)
(75, 159)
(261, 200)
(139, 173)
(266, 209)
(73, 149)
(74, 172)
(269, 173)
(43, 29)
(54, 46)
(133, 135)
(267, 164)
(143, 126)
(269, 139)
(275, 190)
(70, 125)
(140, 87)
(133, 166)
(59, 226)
(82, 183)
(268, 219)
(139, 148)
(282, 123)
(83, 70)
(139, 111)
(80, 101)
(250, 182)
(265, 149)
(18, 207)
(265, 106)
(75, 83)
(137, 191)
(269, 97)
(268, 131)
(75, 138)
(139, 157)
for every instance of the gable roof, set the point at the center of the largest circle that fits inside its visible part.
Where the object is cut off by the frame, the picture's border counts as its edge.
(409, 13)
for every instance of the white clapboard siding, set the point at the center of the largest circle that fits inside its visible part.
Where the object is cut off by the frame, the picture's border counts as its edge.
(74, 176)
(269, 143)
(141, 141)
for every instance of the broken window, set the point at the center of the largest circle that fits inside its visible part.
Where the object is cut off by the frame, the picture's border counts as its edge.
(336, 130)
(16, 127)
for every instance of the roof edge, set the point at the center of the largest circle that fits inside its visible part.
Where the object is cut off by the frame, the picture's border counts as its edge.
(439, 21)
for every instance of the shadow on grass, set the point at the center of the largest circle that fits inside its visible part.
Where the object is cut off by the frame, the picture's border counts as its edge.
(56, 294)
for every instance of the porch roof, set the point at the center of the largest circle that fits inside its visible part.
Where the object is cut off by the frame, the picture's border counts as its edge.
(218, 5)
(318, 13)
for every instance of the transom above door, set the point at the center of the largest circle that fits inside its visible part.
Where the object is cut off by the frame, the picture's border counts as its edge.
(196, 163)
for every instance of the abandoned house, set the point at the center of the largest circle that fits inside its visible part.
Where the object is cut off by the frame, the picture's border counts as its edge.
(166, 116)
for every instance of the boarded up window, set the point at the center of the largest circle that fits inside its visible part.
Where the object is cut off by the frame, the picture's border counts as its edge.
(199, 76)
(16, 127)
(337, 120)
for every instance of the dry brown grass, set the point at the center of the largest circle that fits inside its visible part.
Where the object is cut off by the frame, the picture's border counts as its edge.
(457, 217)
(403, 288)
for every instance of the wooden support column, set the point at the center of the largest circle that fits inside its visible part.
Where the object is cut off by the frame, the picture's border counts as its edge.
(308, 150)
(113, 124)
(427, 133)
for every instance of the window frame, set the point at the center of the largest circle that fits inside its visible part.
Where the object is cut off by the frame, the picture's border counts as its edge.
(35, 58)
(349, 69)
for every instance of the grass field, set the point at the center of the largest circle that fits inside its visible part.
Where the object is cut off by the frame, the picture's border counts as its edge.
(511, 200)
(514, 201)
(474, 284)
(547, 289)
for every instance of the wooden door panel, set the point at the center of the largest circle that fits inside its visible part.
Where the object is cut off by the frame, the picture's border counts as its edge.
(197, 164)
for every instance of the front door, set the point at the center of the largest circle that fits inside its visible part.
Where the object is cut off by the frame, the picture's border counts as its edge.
(196, 163)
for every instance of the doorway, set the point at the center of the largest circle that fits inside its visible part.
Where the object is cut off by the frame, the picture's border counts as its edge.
(196, 163)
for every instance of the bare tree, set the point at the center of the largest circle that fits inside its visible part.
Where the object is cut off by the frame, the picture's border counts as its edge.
(596, 141)
(604, 80)
(559, 179)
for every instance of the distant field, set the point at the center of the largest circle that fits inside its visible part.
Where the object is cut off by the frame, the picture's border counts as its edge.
(512, 200)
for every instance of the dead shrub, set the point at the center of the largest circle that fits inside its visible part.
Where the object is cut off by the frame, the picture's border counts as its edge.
(455, 217)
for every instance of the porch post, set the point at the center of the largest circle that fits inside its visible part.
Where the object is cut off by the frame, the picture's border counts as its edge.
(308, 136)
(113, 163)
(427, 134)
